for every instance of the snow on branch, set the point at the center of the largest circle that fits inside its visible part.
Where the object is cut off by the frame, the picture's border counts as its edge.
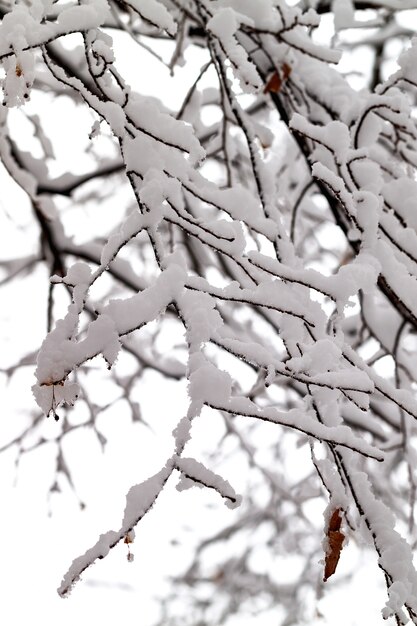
(194, 472)
(139, 500)
(277, 241)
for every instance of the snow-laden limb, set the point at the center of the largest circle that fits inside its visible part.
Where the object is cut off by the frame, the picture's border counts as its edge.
(224, 25)
(22, 29)
(275, 295)
(139, 500)
(348, 379)
(394, 553)
(401, 397)
(155, 13)
(61, 353)
(194, 472)
(288, 279)
(347, 282)
(302, 421)
(213, 387)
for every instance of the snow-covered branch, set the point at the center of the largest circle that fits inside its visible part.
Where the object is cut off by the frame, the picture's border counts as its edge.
(278, 242)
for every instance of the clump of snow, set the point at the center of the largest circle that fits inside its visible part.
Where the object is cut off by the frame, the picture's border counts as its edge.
(49, 397)
(408, 61)
(90, 13)
(344, 14)
(396, 558)
(335, 135)
(131, 313)
(201, 318)
(61, 353)
(79, 272)
(207, 384)
(20, 74)
(401, 194)
(324, 355)
(155, 13)
(168, 131)
(198, 474)
(224, 26)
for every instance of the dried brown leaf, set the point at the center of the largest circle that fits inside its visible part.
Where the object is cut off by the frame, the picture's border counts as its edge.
(335, 539)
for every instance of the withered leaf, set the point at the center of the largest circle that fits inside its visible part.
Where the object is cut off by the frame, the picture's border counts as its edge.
(335, 540)
(286, 70)
(274, 84)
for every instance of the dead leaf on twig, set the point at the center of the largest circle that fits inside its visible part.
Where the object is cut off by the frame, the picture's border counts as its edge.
(274, 84)
(335, 539)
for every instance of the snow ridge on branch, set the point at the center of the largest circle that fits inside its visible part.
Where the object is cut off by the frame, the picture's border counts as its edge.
(238, 265)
